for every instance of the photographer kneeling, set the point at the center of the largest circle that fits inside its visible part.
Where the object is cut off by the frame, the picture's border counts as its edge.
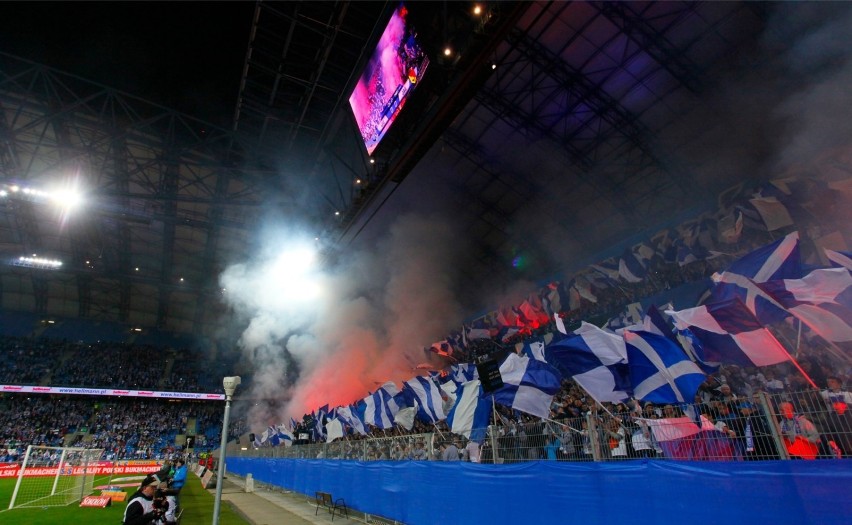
(143, 508)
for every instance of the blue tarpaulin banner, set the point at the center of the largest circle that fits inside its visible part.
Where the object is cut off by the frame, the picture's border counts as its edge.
(636, 492)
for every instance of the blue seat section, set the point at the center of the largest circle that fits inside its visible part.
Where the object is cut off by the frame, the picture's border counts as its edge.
(635, 492)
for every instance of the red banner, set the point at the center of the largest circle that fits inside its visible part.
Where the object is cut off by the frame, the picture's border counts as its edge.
(96, 501)
(11, 470)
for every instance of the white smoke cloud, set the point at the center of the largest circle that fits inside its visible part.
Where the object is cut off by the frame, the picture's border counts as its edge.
(377, 311)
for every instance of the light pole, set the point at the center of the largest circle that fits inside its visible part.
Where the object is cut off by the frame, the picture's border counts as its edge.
(230, 384)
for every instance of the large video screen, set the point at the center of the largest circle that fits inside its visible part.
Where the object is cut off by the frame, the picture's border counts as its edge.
(393, 72)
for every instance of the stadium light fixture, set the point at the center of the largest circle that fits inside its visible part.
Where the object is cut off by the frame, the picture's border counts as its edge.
(67, 198)
(230, 384)
(37, 262)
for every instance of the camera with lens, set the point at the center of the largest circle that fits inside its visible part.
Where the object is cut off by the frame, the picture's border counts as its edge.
(160, 502)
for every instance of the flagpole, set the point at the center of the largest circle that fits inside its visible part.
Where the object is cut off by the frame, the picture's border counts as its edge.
(494, 409)
(439, 431)
(562, 425)
(797, 365)
(798, 337)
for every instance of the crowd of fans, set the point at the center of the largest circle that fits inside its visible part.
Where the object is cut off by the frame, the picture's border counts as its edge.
(39, 361)
(125, 428)
(737, 405)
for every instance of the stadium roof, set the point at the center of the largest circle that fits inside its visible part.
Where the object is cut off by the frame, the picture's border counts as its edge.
(558, 131)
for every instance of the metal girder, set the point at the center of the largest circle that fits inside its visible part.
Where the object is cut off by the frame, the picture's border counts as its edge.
(509, 112)
(602, 104)
(208, 266)
(168, 186)
(652, 40)
(300, 59)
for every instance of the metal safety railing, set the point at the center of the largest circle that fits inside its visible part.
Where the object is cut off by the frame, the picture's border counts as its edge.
(807, 425)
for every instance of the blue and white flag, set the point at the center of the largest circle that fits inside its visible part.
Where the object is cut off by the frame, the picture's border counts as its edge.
(630, 269)
(405, 417)
(579, 288)
(778, 260)
(839, 259)
(380, 407)
(534, 349)
(608, 269)
(822, 300)
(655, 323)
(427, 395)
(528, 385)
(279, 436)
(660, 371)
(469, 415)
(596, 359)
(729, 333)
(762, 306)
(350, 417)
(463, 372)
(334, 430)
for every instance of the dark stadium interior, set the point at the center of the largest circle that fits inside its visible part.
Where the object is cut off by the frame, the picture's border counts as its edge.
(602, 121)
(553, 148)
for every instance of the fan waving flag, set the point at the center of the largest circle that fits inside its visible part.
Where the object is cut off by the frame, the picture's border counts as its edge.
(822, 300)
(469, 415)
(660, 370)
(528, 385)
(427, 395)
(380, 406)
(596, 359)
(729, 333)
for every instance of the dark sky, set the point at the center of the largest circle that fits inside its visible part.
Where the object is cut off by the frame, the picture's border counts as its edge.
(184, 55)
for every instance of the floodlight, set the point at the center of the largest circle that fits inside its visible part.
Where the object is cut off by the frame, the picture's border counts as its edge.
(230, 384)
(68, 199)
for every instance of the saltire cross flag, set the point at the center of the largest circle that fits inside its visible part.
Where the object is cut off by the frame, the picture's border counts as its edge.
(822, 300)
(660, 370)
(426, 394)
(778, 260)
(596, 359)
(469, 415)
(729, 333)
(528, 385)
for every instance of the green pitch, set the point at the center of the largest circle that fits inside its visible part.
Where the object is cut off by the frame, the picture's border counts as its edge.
(197, 504)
